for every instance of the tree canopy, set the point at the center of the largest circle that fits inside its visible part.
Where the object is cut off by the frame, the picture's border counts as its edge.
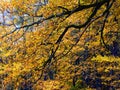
(49, 44)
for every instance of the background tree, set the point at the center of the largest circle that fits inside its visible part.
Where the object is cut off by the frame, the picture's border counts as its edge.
(44, 40)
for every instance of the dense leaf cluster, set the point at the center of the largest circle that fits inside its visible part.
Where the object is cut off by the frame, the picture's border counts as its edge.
(59, 44)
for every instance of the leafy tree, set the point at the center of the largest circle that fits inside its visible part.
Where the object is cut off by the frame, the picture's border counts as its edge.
(43, 42)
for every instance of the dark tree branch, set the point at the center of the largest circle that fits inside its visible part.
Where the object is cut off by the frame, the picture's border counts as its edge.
(109, 5)
(96, 8)
(67, 12)
(79, 26)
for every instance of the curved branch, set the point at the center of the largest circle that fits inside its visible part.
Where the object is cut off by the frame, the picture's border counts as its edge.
(67, 12)
(104, 21)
